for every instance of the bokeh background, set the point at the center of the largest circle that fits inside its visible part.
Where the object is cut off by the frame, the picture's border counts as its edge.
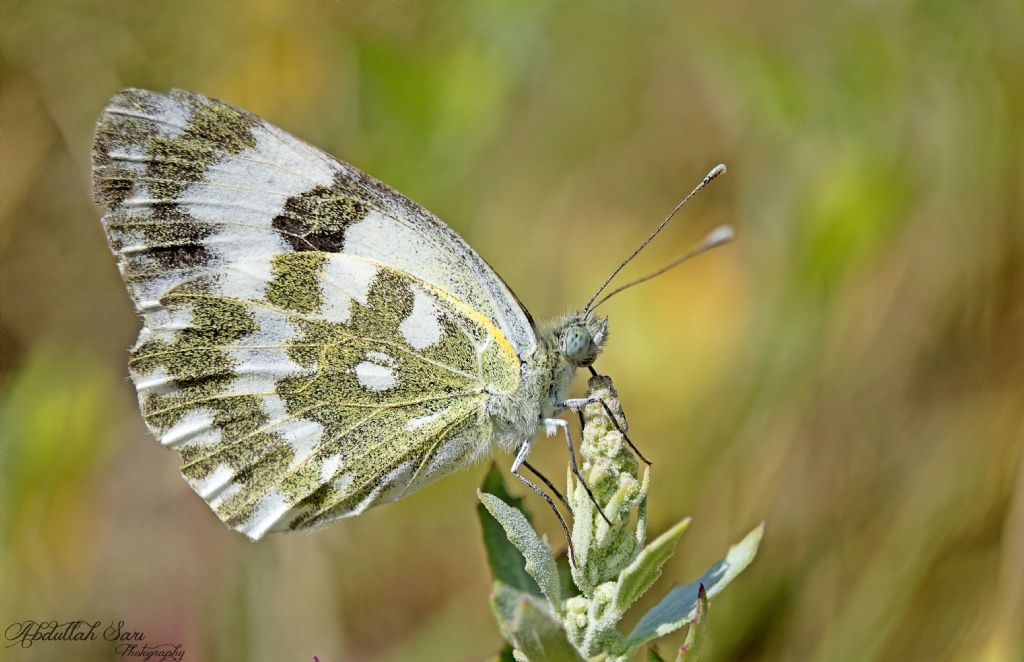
(850, 370)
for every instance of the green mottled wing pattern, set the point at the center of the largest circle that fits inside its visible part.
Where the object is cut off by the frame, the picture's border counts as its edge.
(313, 343)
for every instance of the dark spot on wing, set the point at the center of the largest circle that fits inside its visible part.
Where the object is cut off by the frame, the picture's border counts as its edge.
(114, 185)
(113, 180)
(181, 257)
(171, 237)
(317, 219)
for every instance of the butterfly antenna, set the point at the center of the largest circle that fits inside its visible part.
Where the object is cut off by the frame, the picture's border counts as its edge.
(715, 172)
(723, 234)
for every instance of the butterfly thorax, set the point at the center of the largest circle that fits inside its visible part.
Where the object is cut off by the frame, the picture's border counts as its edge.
(563, 345)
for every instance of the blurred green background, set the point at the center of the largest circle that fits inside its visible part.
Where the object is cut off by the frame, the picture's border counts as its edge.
(851, 370)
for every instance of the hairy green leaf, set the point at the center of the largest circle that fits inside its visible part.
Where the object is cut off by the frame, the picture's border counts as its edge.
(639, 575)
(679, 607)
(504, 600)
(569, 588)
(537, 636)
(494, 483)
(540, 562)
(508, 565)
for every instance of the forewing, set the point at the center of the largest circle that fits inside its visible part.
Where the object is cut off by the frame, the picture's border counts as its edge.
(313, 342)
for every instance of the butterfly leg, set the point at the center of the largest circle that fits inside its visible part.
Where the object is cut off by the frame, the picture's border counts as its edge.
(548, 483)
(551, 424)
(577, 403)
(520, 460)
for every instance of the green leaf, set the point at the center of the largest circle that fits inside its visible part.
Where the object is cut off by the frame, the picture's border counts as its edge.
(569, 588)
(679, 607)
(695, 637)
(508, 565)
(537, 636)
(494, 483)
(654, 655)
(504, 600)
(641, 509)
(540, 562)
(506, 655)
(639, 575)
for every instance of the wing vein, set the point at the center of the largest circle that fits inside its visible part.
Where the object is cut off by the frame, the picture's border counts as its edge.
(343, 403)
(402, 456)
(141, 116)
(341, 435)
(312, 320)
(241, 156)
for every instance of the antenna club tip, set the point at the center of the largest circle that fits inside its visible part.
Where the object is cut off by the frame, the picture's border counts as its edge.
(719, 169)
(720, 235)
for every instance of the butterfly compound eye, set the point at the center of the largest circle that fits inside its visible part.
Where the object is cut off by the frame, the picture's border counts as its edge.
(577, 342)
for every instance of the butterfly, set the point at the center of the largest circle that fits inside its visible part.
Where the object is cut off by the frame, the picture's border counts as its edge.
(314, 343)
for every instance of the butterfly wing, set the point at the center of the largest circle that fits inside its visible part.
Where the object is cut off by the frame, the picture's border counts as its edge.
(314, 343)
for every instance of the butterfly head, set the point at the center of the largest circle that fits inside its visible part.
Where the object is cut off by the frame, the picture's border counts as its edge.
(581, 337)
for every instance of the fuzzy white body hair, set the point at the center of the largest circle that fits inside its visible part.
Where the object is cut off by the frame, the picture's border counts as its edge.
(545, 379)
